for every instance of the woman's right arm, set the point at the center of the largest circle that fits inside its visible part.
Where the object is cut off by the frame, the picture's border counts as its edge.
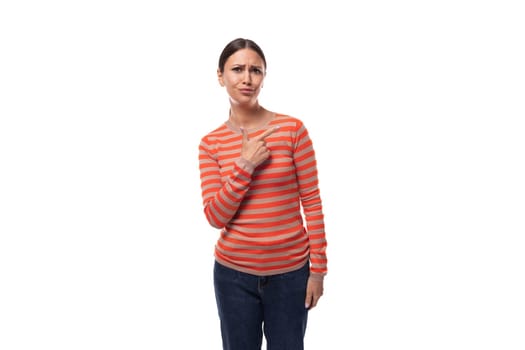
(221, 200)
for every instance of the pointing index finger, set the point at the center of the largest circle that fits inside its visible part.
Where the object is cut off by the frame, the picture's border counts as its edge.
(267, 133)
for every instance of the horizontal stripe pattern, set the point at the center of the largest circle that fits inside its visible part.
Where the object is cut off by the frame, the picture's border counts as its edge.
(270, 217)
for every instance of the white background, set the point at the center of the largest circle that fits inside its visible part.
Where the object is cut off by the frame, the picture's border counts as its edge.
(415, 109)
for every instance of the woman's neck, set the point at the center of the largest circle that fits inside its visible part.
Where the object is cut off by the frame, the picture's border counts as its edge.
(247, 118)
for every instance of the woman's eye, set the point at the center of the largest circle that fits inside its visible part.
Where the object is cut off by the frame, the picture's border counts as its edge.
(256, 71)
(236, 69)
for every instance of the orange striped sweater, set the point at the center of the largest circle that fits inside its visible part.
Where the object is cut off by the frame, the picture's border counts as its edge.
(270, 217)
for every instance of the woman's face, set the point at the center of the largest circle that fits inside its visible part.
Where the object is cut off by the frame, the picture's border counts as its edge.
(243, 76)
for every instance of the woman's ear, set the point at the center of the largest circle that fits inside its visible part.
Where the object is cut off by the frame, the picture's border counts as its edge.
(219, 77)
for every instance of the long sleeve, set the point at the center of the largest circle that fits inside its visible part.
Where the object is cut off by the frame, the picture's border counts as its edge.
(306, 169)
(221, 200)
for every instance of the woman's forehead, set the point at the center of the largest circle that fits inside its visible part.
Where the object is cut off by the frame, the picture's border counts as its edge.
(245, 56)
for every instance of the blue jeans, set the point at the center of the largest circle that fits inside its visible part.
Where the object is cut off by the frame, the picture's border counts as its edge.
(249, 304)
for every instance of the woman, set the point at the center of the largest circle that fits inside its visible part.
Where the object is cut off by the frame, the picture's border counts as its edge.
(260, 189)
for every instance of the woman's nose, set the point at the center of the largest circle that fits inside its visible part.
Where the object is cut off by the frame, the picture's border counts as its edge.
(247, 77)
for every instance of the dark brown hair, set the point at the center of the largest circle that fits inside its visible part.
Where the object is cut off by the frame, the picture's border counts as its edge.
(236, 45)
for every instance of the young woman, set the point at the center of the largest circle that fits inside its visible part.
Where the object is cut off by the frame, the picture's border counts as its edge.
(260, 189)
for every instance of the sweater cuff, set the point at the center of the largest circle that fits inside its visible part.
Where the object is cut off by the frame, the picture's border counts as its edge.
(246, 165)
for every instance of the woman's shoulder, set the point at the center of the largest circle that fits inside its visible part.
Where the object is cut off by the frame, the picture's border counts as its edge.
(287, 119)
(219, 131)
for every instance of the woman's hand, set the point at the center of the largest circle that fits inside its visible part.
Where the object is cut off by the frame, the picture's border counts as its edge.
(314, 290)
(254, 150)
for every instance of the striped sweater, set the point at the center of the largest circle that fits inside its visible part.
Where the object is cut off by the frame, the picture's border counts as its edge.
(270, 217)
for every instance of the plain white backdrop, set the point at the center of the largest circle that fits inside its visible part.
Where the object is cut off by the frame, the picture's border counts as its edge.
(416, 111)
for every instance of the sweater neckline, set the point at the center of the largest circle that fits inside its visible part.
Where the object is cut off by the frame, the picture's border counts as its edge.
(237, 129)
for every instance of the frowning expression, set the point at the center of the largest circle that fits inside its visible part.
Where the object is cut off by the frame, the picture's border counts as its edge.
(243, 76)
